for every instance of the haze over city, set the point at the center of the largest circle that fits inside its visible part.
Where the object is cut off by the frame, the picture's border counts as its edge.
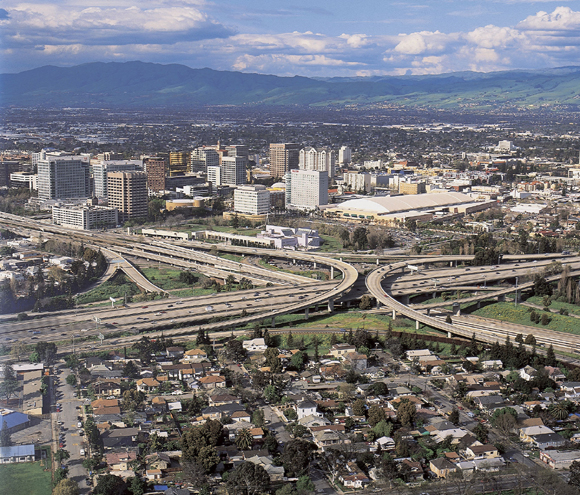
(321, 39)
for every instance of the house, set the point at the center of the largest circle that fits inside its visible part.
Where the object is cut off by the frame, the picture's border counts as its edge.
(174, 352)
(548, 440)
(442, 467)
(194, 356)
(481, 452)
(307, 408)
(527, 433)
(219, 399)
(356, 360)
(413, 469)
(386, 443)
(555, 373)
(119, 461)
(213, 381)
(147, 384)
(418, 354)
(528, 373)
(489, 402)
(240, 416)
(107, 388)
(559, 459)
(394, 404)
(341, 350)
(153, 474)
(254, 345)
(158, 460)
(492, 364)
(276, 473)
(353, 477)
(17, 453)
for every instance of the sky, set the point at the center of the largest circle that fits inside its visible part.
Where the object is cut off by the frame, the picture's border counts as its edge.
(320, 38)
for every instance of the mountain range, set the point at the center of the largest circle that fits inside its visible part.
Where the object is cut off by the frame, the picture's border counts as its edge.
(149, 85)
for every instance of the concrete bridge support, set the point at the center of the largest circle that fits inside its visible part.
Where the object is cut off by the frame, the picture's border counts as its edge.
(273, 321)
(428, 311)
(405, 300)
(377, 262)
(330, 305)
(331, 273)
(501, 298)
(394, 315)
(306, 313)
(449, 336)
(456, 309)
(379, 304)
(478, 304)
(417, 325)
(314, 265)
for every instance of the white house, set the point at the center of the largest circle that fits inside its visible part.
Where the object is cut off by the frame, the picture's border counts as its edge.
(307, 408)
(255, 345)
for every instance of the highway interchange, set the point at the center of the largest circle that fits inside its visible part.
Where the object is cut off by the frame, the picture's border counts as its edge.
(389, 283)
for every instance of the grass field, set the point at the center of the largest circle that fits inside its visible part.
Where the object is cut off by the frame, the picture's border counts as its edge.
(319, 275)
(231, 257)
(331, 244)
(28, 478)
(555, 305)
(505, 311)
(164, 278)
(115, 287)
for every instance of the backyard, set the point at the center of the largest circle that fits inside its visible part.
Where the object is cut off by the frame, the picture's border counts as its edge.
(28, 478)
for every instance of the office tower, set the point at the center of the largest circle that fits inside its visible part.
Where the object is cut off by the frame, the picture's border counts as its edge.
(102, 167)
(309, 188)
(214, 175)
(85, 217)
(201, 158)
(63, 177)
(288, 189)
(322, 159)
(238, 150)
(127, 191)
(344, 155)
(234, 170)
(178, 162)
(252, 200)
(283, 158)
(156, 168)
(6, 169)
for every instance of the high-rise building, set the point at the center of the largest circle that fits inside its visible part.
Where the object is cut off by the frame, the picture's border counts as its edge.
(178, 162)
(156, 168)
(234, 170)
(7, 168)
(252, 200)
(308, 189)
(84, 217)
(283, 158)
(344, 155)
(63, 177)
(201, 158)
(214, 175)
(322, 159)
(102, 167)
(127, 191)
(238, 150)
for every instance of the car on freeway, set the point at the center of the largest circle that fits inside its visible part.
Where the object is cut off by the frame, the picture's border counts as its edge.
(144, 307)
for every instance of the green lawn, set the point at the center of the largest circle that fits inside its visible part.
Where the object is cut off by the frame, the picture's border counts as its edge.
(28, 478)
(115, 287)
(555, 305)
(505, 311)
(317, 274)
(231, 257)
(164, 278)
(331, 244)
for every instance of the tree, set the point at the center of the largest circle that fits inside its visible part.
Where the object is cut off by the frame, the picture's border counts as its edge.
(71, 380)
(5, 440)
(235, 350)
(406, 412)
(272, 360)
(130, 370)
(454, 416)
(575, 474)
(559, 410)
(137, 486)
(530, 339)
(541, 286)
(18, 350)
(208, 458)
(376, 415)
(248, 479)
(258, 417)
(359, 407)
(109, 484)
(244, 439)
(305, 485)
(389, 469)
(46, 352)
(9, 384)
(66, 487)
(193, 472)
(297, 456)
(297, 360)
(271, 393)
(383, 429)
(61, 455)
(550, 356)
(132, 400)
(380, 388)
(505, 422)
(365, 302)
(480, 432)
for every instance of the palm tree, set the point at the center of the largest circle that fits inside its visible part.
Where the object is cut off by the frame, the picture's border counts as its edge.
(244, 439)
(559, 411)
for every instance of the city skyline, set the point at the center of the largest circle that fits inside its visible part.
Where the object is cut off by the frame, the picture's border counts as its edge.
(338, 39)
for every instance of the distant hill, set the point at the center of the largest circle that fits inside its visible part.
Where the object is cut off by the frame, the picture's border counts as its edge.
(148, 85)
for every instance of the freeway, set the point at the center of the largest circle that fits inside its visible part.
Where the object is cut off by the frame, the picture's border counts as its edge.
(560, 340)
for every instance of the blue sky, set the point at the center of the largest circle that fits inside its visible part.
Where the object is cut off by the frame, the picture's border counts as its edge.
(294, 37)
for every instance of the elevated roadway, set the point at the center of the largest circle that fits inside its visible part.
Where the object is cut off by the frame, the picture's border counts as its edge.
(563, 341)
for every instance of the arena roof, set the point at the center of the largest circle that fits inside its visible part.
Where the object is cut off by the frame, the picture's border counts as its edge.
(386, 204)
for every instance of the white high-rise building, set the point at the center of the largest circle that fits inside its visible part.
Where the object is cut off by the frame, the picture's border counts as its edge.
(85, 217)
(344, 155)
(102, 167)
(214, 175)
(234, 170)
(357, 181)
(308, 189)
(64, 177)
(252, 200)
(322, 159)
(201, 158)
